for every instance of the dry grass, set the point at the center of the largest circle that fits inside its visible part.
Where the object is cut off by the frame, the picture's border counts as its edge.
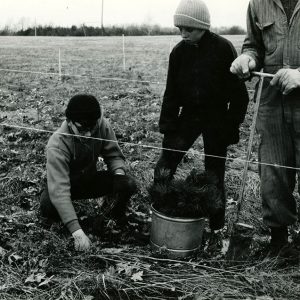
(130, 273)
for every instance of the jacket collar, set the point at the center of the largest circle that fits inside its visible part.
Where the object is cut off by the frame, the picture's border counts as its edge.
(278, 2)
(204, 38)
(297, 7)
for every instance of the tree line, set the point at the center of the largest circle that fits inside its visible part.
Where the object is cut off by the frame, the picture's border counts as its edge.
(129, 30)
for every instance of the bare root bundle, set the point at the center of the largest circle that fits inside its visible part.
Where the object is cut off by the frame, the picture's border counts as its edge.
(196, 196)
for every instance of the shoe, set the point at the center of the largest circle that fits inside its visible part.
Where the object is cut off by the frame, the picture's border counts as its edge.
(122, 221)
(280, 247)
(279, 236)
(98, 225)
(285, 251)
(45, 223)
(217, 220)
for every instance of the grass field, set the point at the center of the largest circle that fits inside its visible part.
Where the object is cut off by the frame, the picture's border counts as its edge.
(36, 263)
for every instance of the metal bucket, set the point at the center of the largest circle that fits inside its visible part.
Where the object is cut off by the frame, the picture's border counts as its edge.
(177, 237)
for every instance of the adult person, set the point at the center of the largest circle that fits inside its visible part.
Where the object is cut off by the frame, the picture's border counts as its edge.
(72, 154)
(201, 97)
(273, 43)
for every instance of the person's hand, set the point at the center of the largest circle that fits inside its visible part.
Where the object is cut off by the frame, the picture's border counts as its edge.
(120, 183)
(287, 80)
(124, 185)
(81, 241)
(242, 66)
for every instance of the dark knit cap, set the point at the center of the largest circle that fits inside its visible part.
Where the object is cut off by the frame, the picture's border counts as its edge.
(83, 107)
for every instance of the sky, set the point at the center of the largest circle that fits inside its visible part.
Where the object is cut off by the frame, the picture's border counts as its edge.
(116, 12)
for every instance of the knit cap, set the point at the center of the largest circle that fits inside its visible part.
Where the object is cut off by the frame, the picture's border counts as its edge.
(192, 13)
(83, 107)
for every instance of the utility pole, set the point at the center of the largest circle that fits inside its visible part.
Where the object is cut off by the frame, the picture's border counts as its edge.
(35, 27)
(83, 29)
(102, 27)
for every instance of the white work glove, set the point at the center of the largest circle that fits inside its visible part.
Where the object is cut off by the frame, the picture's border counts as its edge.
(242, 66)
(287, 80)
(81, 241)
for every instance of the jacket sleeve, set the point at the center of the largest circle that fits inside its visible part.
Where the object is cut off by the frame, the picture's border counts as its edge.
(111, 153)
(253, 44)
(59, 187)
(237, 93)
(170, 107)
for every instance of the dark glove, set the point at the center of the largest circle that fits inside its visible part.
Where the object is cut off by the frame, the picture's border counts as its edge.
(123, 184)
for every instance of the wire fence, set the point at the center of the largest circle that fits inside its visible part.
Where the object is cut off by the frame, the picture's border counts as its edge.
(140, 145)
(60, 75)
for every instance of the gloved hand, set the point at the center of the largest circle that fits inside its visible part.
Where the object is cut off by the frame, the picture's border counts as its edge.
(124, 184)
(287, 80)
(81, 241)
(120, 183)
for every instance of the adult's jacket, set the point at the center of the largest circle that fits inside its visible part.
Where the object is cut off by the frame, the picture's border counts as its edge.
(200, 87)
(271, 40)
(71, 158)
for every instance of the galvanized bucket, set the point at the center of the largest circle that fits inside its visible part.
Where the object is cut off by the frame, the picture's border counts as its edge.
(176, 237)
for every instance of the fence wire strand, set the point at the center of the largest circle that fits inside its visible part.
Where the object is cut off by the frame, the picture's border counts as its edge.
(148, 146)
(120, 142)
(81, 76)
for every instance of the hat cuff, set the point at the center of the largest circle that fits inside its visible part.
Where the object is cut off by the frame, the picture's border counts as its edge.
(188, 21)
(77, 116)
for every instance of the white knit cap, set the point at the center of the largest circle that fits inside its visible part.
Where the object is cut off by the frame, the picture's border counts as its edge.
(192, 13)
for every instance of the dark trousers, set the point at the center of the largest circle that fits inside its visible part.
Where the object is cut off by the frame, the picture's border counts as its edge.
(278, 126)
(214, 148)
(183, 139)
(102, 183)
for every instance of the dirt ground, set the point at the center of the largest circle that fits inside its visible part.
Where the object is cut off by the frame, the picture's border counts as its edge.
(40, 263)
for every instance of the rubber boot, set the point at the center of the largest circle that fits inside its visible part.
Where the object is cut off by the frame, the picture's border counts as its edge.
(280, 246)
(217, 219)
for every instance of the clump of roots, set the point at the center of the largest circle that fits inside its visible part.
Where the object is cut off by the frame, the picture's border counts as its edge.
(196, 196)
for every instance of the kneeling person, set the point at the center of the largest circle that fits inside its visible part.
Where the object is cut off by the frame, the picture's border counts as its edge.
(72, 154)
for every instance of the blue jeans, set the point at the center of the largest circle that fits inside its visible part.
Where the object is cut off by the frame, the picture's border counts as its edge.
(278, 125)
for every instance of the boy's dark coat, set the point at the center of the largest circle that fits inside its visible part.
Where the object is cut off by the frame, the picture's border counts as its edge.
(199, 81)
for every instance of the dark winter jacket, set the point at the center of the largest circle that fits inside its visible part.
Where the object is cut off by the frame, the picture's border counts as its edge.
(71, 159)
(200, 86)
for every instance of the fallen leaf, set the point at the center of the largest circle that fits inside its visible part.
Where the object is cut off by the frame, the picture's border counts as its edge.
(3, 287)
(35, 277)
(2, 251)
(225, 246)
(112, 250)
(137, 276)
(13, 258)
(30, 278)
(111, 272)
(46, 281)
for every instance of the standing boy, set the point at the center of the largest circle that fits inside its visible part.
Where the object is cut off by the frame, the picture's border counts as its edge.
(201, 97)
